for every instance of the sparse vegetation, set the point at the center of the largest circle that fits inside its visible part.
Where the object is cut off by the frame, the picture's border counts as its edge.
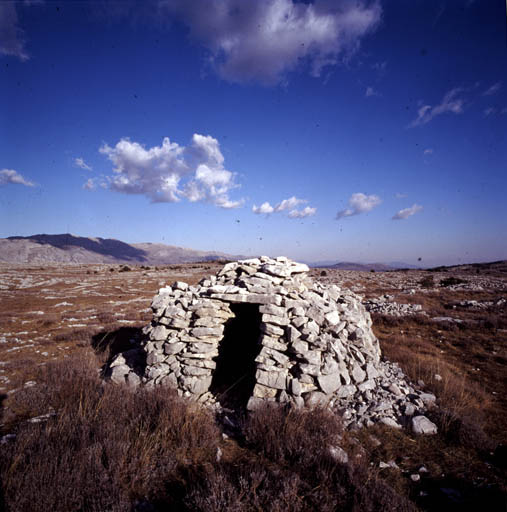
(153, 447)
(451, 281)
(427, 282)
(282, 460)
(105, 448)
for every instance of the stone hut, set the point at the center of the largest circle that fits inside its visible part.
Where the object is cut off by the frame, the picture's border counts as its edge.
(262, 330)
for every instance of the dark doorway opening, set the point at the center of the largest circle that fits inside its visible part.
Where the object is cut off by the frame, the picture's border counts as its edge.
(234, 377)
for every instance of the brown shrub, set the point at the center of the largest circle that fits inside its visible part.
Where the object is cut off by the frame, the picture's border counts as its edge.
(284, 436)
(106, 447)
(68, 335)
(244, 486)
(106, 317)
(427, 282)
(451, 281)
(49, 320)
(462, 430)
(298, 442)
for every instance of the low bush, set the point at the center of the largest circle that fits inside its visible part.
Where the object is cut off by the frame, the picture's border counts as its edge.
(111, 448)
(451, 281)
(244, 485)
(427, 282)
(299, 442)
(462, 430)
(285, 436)
(105, 448)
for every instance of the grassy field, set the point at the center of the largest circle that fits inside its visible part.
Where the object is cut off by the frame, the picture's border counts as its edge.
(100, 447)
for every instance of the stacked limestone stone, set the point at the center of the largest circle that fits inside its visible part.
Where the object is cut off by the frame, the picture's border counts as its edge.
(316, 343)
(384, 305)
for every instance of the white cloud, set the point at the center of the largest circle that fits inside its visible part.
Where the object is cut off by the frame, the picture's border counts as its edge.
(493, 89)
(9, 176)
(160, 172)
(398, 195)
(489, 111)
(287, 205)
(451, 102)
(265, 208)
(79, 162)
(359, 203)
(307, 211)
(428, 151)
(263, 41)
(370, 91)
(90, 184)
(12, 41)
(407, 212)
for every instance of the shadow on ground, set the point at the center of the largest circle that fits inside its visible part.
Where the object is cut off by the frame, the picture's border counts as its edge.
(453, 494)
(126, 340)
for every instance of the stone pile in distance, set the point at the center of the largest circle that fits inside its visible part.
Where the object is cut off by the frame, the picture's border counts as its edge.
(385, 306)
(317, 346)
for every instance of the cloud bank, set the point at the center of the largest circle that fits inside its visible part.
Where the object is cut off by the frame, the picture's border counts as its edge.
(170, 172)
(407, 212)
(287, 205)
(12, 41)
(264, 40)
(451, 102)
(359, 203)
(9, 176)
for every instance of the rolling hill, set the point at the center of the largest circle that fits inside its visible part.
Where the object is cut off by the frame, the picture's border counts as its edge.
(68, 248)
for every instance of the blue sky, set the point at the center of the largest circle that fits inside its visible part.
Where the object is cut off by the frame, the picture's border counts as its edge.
(326, 130)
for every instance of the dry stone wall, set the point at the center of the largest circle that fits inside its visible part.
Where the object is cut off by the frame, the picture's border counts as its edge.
(315, 344)
(385, 305)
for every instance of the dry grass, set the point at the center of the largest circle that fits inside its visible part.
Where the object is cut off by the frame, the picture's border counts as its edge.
(138, 450)
(472, 405)
(467, 357)
(105, 448)
(49, 313)
(109, 448)
(285, 464)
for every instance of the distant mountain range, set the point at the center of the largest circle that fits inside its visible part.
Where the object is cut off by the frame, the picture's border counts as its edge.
(365, 267)
(67, 248)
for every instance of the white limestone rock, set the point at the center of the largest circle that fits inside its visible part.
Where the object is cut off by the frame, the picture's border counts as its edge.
(422, 425)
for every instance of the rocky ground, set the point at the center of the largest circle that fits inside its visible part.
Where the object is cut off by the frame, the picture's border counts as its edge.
(447, 330)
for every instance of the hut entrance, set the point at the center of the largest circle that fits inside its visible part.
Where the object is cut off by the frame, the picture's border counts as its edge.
(234, 377)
